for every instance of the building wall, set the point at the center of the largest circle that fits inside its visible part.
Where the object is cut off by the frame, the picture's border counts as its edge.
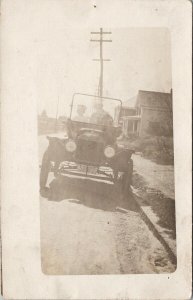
(153, 115)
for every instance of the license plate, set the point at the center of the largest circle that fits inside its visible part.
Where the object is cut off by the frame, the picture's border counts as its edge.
(81, 168)
(88, 169)
(92, 170)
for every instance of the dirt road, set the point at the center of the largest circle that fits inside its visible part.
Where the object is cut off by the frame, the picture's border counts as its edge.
(88, 228)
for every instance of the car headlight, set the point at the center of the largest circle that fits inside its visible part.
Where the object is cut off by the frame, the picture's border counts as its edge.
(71, 146)
(109, 151)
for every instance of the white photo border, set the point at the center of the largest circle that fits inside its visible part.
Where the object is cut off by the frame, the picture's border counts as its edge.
(21, 261)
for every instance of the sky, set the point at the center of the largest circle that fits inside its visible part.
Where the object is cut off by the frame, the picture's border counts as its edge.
(140, 60)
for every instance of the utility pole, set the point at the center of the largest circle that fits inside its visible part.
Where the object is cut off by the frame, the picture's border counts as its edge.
(101, 59)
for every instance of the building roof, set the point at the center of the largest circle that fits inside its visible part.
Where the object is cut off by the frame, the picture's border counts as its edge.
(130, 103)
(154, 99)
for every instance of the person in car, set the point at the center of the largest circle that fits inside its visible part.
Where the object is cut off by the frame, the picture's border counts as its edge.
(80, 117)
(100, 116)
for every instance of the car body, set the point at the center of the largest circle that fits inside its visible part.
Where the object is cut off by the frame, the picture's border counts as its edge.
(90, 149)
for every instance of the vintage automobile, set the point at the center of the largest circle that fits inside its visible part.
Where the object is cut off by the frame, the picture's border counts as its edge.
(91, 148)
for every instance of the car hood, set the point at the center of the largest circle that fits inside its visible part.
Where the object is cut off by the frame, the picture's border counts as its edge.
(91, 135)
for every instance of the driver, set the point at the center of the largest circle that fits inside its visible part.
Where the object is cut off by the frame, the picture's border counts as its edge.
(100, 116)
(80, 117)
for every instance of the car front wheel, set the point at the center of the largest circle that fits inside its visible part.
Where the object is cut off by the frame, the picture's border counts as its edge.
(126, 180)
(45, 169)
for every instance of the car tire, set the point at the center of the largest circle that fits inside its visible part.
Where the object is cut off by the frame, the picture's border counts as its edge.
(45, 169)
(127, 179)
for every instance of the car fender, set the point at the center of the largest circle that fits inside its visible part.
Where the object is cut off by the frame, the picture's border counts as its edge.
(56, 149)
(122, 160)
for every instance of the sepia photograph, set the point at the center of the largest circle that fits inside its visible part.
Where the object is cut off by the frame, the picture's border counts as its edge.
(106, 155)
(96, 155)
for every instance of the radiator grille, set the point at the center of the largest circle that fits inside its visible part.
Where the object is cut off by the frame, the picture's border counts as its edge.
(89, 151)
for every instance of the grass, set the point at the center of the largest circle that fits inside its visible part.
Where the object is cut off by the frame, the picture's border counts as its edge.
(156, 148)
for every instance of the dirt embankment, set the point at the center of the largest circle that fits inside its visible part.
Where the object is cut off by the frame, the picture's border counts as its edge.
(153, 186)
(162, 206)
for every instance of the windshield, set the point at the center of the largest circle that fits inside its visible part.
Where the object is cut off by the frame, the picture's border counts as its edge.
(95, 110)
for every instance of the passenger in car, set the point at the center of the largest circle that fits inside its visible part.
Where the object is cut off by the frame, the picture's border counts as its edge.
(100, 116)
(80, 117)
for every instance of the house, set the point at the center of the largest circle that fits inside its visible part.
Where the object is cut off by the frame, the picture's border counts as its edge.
(152, 112)
(128, 107)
